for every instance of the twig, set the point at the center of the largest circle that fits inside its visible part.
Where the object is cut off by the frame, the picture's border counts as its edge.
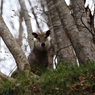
(83, 22)
(59, 51)
(12, 71)
(86, 26)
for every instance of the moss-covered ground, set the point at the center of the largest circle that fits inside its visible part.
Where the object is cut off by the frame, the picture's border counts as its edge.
(65, 80)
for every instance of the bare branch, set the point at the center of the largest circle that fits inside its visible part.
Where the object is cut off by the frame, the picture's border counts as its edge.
(87, 27)
(60, 50)
(36, 18)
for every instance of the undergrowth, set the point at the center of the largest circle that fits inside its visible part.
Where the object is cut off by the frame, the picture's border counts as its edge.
(65, 80)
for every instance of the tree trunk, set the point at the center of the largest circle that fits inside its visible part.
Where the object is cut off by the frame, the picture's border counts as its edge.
(5, 77)
(20, 37)
(81, 39)
(27, 22)
(20, 58)
(61, 40)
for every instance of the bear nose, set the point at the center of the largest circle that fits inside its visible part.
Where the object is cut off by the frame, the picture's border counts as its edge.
(42, 44)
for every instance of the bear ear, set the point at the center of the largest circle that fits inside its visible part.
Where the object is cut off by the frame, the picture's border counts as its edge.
(48, 33)
(35, 35)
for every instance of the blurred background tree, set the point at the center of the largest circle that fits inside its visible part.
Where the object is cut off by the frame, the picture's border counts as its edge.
(72, 29)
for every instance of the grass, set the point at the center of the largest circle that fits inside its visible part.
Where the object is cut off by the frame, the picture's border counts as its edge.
(64, 80)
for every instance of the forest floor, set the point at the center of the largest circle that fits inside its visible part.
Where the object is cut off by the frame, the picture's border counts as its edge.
(65, 80)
